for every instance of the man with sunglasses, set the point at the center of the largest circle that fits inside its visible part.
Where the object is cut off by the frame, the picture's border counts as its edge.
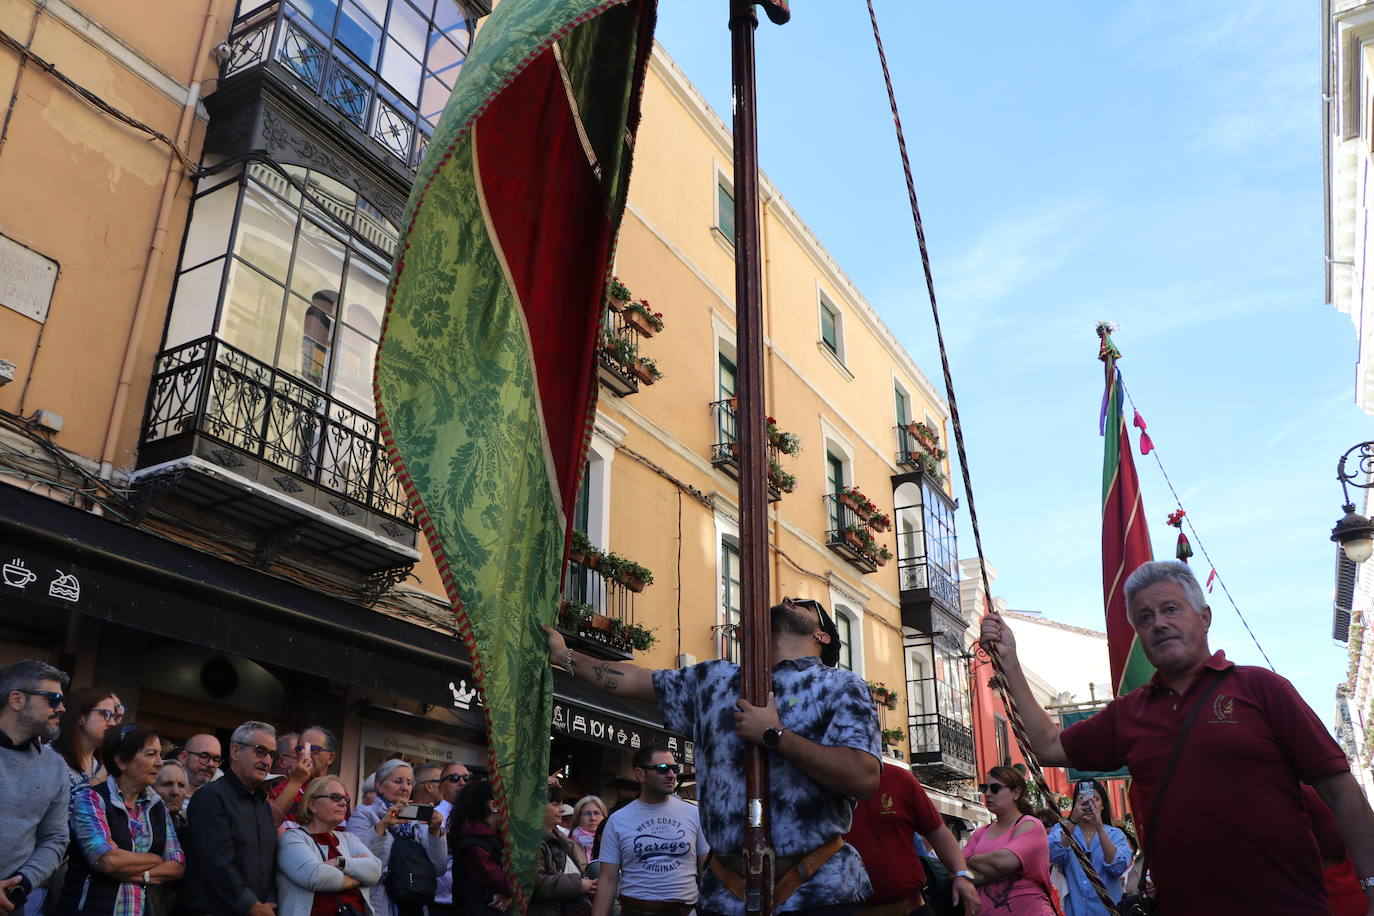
(651, 849)
(452, 781)
(33, 780)
(232, 849)
(821, 729)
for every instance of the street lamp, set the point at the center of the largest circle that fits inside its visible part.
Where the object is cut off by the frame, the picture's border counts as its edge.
(1355, 533)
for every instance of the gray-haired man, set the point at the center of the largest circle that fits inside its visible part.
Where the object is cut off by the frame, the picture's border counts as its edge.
(33, 780)
(232, 848)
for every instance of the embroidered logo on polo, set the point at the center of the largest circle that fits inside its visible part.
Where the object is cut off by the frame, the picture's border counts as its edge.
(1224, 709)
(886, 801)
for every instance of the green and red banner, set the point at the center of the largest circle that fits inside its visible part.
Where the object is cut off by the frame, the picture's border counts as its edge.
(1125, 536)
(486, 375)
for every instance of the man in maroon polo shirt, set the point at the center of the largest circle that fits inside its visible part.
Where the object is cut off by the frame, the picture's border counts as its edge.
(883, 832)
(1232, 835)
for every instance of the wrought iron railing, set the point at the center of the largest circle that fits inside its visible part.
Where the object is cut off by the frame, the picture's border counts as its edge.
(619, 351)
(847, 533)
(725, 450)
(211, 389)
(915, 573)
(729, 646)
(607, 597)
(936, 735)
(277, 32)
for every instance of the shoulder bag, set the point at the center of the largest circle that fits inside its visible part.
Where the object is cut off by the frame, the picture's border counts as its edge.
(1140, 903)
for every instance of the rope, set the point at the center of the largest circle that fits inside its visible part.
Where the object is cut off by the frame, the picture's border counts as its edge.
(1200, 546)
(999, 680)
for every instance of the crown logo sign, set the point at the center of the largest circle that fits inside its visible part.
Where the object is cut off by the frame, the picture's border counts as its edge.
(462, 694)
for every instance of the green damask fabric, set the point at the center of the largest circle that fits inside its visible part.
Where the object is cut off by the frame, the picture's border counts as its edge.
(459, 406)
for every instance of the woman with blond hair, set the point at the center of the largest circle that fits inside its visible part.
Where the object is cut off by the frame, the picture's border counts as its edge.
(588, 814)
(321, 868)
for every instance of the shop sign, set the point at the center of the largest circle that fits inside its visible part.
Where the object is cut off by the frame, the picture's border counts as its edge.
(603, 728)
(414, 747)
(19, 575)
(464, 697)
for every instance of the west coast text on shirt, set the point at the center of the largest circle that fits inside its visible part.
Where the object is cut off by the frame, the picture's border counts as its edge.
(656, 848)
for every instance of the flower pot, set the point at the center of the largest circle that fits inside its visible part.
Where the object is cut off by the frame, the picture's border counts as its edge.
(617, 304)
(847, 500)
(878, 558)
(644, 375)
(634, 584)
(639, 323)
(601, 622)
(854, 540)
(878, 523)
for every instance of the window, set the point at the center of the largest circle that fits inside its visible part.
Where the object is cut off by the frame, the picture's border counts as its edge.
(846, 628)
(582, 510)
(304, 277)
(834, 483)
(725, 207)
(830, 327)
(730, 614)
(903, 406)
(941, 551)
(726, 418)
(1003, 744)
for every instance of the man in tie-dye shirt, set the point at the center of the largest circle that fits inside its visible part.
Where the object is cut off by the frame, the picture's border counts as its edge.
(821, 728)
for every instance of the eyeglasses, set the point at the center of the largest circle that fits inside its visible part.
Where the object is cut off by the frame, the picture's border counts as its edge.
(456, 777)
(111, 717)
(990, 788)
(313, 748)
(206, 757)
(663, 767)
(260, 751)
(54, 699)
(335, 797)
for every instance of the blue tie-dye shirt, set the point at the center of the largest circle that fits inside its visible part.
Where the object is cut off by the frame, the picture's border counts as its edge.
(826, 705)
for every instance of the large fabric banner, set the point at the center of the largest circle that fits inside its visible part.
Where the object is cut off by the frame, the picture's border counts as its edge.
(1125, 536)
(485, 377)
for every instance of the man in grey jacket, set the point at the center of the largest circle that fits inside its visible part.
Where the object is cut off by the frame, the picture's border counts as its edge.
(33, 780)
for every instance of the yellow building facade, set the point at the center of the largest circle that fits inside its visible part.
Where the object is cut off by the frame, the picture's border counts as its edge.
(198, 204)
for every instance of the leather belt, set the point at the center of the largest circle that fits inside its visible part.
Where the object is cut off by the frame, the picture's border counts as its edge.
(894, 907)
(630, 904)
(795, 870)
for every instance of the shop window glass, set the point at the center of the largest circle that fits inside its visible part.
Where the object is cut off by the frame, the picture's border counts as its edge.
(266, 229)
(251, 316)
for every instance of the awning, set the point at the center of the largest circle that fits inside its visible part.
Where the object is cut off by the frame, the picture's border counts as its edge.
(581, 711)
(954, 806)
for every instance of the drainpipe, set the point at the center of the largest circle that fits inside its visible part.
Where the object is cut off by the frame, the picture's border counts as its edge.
(143, 307)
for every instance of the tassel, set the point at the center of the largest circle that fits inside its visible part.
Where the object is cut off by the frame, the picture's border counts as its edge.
(1184, 549)
(1211, 577)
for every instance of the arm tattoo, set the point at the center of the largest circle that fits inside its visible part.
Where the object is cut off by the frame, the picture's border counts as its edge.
(607, 677)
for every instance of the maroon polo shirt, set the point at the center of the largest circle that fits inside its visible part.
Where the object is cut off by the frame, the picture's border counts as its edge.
(882, 832)
(1232, 836)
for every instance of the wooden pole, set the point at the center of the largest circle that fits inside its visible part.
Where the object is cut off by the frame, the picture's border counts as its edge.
(756, 670)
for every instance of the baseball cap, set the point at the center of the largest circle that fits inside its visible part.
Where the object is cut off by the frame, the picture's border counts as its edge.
(566, 811)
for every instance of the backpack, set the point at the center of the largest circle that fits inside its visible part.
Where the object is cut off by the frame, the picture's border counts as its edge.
(411, 879)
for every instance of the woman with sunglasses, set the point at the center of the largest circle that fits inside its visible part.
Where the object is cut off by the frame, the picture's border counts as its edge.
(1010, 857)
(1108, 848)
(89, 713)
(322, 869)
(124, 847)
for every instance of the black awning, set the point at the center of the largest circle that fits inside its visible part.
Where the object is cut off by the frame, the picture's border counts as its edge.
(56, 555)
(581, 711)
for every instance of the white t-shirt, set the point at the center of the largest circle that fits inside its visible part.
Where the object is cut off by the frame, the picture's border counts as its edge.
(656, 848)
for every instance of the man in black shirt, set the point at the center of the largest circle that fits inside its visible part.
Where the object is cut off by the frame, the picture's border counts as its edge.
(232, 849)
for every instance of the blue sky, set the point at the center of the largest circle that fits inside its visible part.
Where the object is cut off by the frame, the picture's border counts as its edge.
(1156, 165)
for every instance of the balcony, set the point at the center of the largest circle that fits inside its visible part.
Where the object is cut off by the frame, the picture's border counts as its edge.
(849, 533)
(927, 553)
(234, 436)
(335, 65)
(597, 613)
(618, 363)
(941, 749)
(918, 449)
(725, 450)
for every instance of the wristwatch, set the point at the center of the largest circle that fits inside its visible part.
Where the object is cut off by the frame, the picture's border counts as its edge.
(340, 862)
(771, 737)
(964, 873)
(145, 879)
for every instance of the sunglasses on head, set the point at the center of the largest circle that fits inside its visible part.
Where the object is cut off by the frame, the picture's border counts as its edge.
(990, 788)
(456, 777)
(663, 767)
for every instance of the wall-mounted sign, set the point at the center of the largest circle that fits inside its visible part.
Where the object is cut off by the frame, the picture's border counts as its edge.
(26, 280)
(589, 724)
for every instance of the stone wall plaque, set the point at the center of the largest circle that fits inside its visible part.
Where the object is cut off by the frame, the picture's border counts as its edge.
(26, 280)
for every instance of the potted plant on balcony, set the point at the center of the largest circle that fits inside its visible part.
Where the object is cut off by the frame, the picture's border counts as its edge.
(636, 637)
(854, 498)
(851, 534)
(633, 576)
(574, 615)
(883, 695)
(621, 349)
(646, 370)
(924, 435)
(892, 737)
(880, 521)
(930, 466)
(617, 295)
(882, 556)
(642, 318)
(581, 551)
(779, 479)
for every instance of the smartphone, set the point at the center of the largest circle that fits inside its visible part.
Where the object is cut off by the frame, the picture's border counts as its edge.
(1087, 790)
(416, 813)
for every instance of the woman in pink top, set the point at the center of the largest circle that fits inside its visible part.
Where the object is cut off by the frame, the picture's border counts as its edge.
(1010, 858)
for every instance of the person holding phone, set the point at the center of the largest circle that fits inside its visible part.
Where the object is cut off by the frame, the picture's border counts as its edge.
(392, 817)
(1106, 846)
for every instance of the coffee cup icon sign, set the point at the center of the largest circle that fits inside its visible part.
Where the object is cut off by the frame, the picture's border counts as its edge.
(17, 574)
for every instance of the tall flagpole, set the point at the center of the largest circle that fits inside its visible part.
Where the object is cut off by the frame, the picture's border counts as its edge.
(754, 591)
